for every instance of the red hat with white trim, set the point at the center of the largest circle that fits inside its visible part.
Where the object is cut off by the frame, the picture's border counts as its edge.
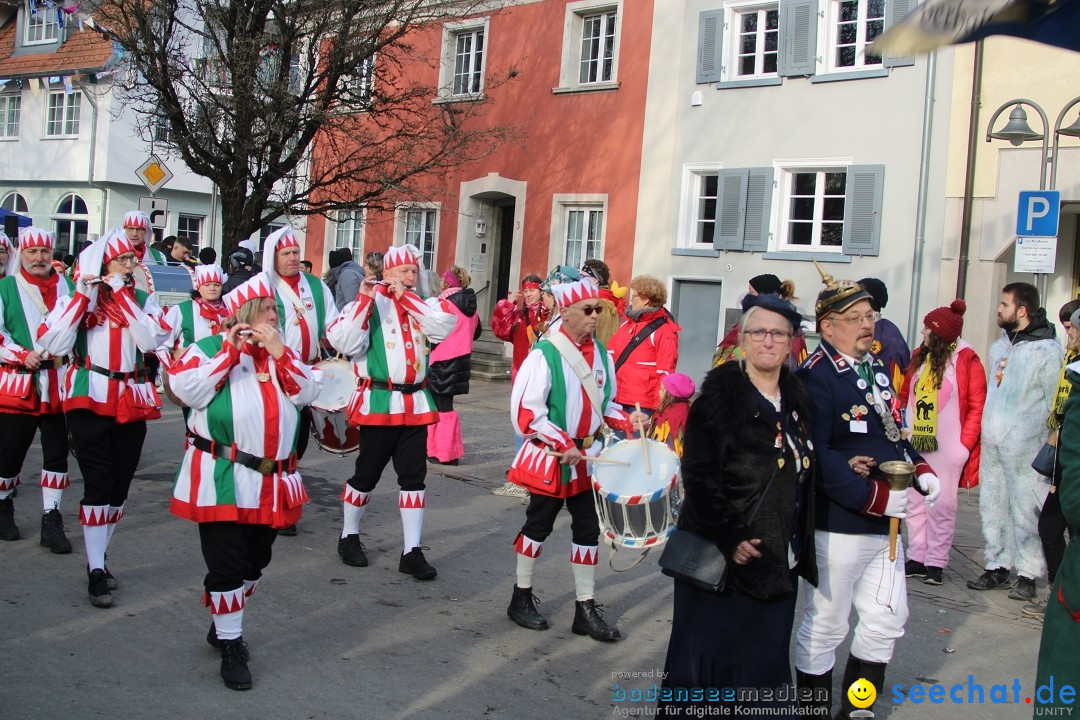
(255, 288)
(5, 241)
(116, 244)
(35, 237)
(137, 219)
(566, 294)
(283, 238)
(208, 274)
(401, 255)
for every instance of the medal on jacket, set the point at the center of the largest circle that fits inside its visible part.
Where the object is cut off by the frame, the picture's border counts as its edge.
(892, 431)
(416, 366)
(262, 376)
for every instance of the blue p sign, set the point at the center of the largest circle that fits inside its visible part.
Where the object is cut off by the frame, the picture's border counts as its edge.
(1038, 213)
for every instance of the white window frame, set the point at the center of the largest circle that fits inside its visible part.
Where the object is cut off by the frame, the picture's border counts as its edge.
(17, 203)
(573, 30)
(733, 12)
(448, 63)
(70, 105)
(403, 236)
(561, 207)
(10, 105)
(828, 40)
(72, 219)
(785, 168)
(349, 231)
(693, 177)
(42, 24)
(200, 220)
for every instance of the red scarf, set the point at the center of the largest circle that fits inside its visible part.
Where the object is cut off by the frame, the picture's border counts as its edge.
(294, 282)
(108, 310)
(215, 312)
(47, 286)
(140, 251)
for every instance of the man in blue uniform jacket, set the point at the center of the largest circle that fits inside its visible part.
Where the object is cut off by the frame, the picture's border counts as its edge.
(856, 427)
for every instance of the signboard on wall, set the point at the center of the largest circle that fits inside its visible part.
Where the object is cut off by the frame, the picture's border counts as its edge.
(1035, 255)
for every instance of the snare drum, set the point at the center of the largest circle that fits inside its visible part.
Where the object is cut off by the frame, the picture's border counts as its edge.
(329, 424)
(634, 506)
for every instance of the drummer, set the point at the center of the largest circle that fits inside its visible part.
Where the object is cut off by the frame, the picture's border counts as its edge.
(305, 306)
(559, 414)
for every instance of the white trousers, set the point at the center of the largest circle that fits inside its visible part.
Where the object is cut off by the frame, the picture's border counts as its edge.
(852, 569)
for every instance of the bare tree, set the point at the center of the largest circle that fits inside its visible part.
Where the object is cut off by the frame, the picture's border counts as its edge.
(246, 89)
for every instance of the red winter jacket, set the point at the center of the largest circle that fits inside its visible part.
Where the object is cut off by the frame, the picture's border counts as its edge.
(638, 380)
(508, 323)
(971, 393)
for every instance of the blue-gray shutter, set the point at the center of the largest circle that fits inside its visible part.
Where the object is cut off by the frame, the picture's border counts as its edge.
(798, 32)
(730, 209)
(895, 11)
(710, 41)
(759, 193)
(862, 209)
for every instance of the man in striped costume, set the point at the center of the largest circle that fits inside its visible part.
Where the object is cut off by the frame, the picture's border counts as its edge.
(562, 397)
(136, 228)
(385, 333)
(30, 385)
(305, 306)
(238, 478)
(108, 326)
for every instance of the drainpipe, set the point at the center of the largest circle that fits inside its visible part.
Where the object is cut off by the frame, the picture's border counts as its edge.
(924, 189)
(93, 156)
(969, 176)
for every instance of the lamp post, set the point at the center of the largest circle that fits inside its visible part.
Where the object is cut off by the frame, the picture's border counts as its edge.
(1017, 132)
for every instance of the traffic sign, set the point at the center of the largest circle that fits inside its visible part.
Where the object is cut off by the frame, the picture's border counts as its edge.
(157, 209)
(1038, 213)
(1035, 255)
(154, 174)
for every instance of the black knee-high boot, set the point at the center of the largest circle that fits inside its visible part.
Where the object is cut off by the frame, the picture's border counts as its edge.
(856, 668)
(814, 691)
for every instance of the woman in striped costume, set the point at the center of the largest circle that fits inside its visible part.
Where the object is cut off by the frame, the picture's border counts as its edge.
(238, 478)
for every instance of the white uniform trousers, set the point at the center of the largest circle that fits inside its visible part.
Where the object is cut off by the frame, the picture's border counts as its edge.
(852, 569)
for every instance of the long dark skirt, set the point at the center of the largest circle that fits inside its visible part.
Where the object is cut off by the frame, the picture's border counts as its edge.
(727, 649)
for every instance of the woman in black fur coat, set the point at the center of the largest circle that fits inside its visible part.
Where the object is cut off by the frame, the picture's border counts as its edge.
(748, 427)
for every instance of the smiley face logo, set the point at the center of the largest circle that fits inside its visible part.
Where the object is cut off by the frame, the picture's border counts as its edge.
(862, 693)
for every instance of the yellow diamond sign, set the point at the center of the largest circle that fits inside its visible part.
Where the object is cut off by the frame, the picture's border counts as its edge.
(154, 174)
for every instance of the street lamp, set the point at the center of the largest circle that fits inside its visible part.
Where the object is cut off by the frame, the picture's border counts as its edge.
(1017, 131)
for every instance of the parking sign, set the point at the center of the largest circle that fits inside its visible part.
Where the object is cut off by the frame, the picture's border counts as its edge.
(1038, 213)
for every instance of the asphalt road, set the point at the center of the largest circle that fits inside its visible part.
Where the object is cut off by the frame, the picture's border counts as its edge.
(331, 641)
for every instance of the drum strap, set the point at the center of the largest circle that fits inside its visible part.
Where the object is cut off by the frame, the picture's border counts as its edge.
(33, 293)
(584, 373)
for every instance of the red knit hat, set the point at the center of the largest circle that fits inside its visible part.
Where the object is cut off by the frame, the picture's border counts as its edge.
(947, 322)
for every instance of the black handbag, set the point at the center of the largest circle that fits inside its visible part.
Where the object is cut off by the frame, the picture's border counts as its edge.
(1045, 460)
(698, 561)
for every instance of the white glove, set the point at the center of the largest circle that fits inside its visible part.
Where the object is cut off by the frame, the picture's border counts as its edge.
(116, 282)
(897, 506)
(931, 485)
(82, 288)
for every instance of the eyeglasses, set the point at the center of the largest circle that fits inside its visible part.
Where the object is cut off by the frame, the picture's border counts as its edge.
(871, 318)
(590, 309)
(126, 259)
(758, 335)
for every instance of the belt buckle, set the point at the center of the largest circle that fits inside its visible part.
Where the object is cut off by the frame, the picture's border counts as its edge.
(57, 363)
(586, 442)
(266, 466)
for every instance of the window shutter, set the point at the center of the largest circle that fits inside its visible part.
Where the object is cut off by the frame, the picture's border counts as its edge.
(798, 29)
(730, 209)
(862, 209)
(710, 41)
(759, 193)
(895, 11)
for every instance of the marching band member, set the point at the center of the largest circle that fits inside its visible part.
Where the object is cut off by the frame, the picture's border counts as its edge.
(385, 333)
(558, 410)
(238, 479)
(305, 306)
(136, 227)
(30, 385)
(6, 251)
(855, 425)
(197, 318)
(108, 326)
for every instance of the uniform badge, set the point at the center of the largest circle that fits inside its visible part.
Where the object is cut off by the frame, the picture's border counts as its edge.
(309, 304)
(875, 347)
(599, 378)
(861, 383)
(882, 380)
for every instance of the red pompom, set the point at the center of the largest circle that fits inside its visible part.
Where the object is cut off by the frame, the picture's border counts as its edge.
(958, 306)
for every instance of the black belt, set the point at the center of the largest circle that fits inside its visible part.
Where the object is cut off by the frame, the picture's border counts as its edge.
(54, 362)
(145, 374)
(263, 466)
(407, 388)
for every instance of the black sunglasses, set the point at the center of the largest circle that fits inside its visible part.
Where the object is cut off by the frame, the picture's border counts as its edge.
(590, 309)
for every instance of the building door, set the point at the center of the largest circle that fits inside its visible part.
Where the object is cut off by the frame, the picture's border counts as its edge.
(504, 251)
(697, 308)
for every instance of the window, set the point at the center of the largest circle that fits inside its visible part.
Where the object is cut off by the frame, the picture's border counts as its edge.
(62, 115)
(584, 235)
(464, 46)
(698, 221)
(41, 23)
(16, 203)
(10, 110)
(190, 226)
(420, 233)
(349, 231)
(162, 130)
(853, 24)
(757, 42)
(72, 224)
(590, 46)
(268, 230)
(360, 86)
(815, 209)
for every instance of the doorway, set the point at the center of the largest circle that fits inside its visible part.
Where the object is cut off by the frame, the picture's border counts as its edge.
(696, 305)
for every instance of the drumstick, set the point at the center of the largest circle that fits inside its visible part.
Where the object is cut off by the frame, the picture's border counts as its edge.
(610, 461)
(644, 445)
(894, 531)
